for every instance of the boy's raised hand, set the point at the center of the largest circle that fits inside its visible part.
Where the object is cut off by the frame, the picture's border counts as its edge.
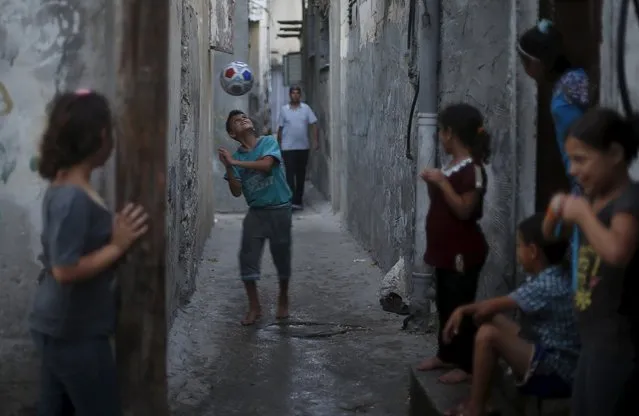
(225, 157)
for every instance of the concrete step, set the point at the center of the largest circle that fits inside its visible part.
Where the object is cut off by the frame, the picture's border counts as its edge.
(428, 397)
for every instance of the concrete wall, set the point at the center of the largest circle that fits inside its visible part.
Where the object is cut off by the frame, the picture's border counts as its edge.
(51, 45)
(368, 101)
(223, 103)
(191, 146)
(45, 47)
(373, 96)
(479, 39)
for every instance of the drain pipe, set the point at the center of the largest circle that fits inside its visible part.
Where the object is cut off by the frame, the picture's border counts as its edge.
(427, 144)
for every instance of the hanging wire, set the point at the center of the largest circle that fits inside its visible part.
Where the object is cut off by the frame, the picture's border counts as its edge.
(621, 53)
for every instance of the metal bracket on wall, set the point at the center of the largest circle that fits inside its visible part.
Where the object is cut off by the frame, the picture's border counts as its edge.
(351, 6)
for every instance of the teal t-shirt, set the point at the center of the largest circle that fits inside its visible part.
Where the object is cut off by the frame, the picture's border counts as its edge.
(262, 189)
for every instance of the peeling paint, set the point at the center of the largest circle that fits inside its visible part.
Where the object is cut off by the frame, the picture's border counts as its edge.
(221, 25)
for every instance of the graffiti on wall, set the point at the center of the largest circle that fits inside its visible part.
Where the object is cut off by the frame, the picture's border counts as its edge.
(44, 32)
(38, 40)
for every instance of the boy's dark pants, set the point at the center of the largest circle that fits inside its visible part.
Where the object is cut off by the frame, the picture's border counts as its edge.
(295, 162)
(455, 289)
(273, 224)
(78, 377)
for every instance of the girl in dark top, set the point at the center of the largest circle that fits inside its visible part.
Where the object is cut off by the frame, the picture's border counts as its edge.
(74, 309)
(601, 146)
(456, 246)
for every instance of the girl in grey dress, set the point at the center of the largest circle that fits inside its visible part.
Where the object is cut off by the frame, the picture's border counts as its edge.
(74, 309)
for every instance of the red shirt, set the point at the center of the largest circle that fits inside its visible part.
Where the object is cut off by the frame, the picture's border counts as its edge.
(453, 243)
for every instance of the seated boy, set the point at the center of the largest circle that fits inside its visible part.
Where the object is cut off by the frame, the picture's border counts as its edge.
(544, 359)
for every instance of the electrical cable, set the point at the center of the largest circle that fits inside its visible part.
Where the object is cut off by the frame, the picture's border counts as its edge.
(621, 53)
(409, 155)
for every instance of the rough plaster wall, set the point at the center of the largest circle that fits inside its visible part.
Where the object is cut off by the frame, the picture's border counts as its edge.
(45, 46)
(475, 42)
(206, 145)
(173, 206)
(189, 194)
(479, 67)
(224, 201)
(609, 90)
(379, 189)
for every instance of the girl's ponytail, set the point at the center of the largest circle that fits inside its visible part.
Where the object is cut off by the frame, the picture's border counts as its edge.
(467, 124)
(480, 147)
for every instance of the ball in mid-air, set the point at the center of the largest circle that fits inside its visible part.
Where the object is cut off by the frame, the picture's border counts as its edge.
(236, 78)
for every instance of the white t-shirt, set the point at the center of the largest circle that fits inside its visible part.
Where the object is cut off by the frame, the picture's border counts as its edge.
(294, 123)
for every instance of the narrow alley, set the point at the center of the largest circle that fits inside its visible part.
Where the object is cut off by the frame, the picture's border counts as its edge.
(339, 354)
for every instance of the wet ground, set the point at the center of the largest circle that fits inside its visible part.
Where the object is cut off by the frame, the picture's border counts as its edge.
(338, 355)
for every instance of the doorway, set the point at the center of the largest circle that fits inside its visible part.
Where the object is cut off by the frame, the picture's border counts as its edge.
(579, 21)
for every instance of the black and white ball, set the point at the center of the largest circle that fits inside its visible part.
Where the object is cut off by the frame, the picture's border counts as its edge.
(236, 78)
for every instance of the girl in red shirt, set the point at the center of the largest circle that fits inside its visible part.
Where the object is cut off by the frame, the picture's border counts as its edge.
(456, 246)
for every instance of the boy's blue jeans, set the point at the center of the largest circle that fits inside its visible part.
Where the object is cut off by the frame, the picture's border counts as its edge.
(78, 377)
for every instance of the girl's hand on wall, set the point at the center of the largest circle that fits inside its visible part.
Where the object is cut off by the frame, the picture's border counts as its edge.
(435, 176)
(129, 225)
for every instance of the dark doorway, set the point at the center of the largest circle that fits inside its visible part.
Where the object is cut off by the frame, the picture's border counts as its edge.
(580, 24)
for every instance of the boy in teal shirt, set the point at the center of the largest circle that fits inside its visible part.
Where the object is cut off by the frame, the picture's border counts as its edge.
(256, 171)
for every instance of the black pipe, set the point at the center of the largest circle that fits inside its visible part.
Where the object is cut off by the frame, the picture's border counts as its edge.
(409, 45)
(409, 156)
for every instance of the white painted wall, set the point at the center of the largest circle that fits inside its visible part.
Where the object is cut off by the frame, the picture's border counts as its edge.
(283, 10)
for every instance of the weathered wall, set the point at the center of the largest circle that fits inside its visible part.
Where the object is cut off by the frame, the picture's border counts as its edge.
(479, 39)
(45, 46)
(378, 189)
(189, 193)
(190, 155)
(369, 96)
(223, 103)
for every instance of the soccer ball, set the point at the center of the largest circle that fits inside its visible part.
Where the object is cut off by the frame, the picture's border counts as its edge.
(236, 78)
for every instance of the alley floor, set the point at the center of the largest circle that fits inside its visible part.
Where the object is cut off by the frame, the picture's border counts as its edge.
(338, 355)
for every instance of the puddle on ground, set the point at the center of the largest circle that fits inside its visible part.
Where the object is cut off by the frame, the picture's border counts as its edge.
(307, 329)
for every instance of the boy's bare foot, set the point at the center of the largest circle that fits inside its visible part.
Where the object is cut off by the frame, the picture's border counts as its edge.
(282, 308)
(455, 376)
(432, 363)
(252, 316)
